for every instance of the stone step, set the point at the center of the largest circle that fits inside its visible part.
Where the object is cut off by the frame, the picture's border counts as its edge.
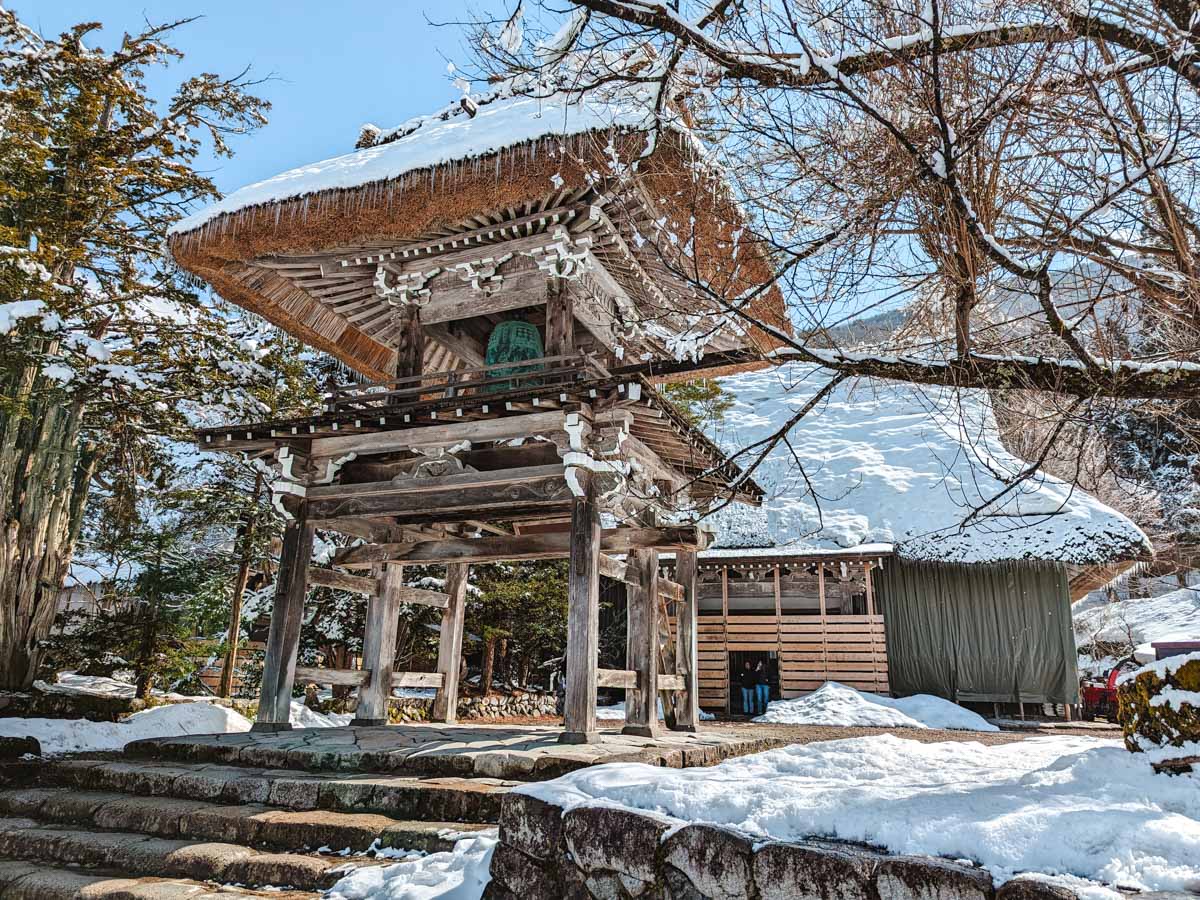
(448, 799)
(139, 854)
(21, 880)
(252, 824)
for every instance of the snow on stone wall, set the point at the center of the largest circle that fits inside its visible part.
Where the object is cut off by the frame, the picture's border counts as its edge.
(884, 462)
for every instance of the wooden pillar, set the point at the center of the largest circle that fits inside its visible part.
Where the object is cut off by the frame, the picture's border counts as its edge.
(287, 614)
(725, 638)
(560, 319)
(641, 703)
(687, 706)
(410, 342)
(379, 648)
(583, 618)
(445, 707)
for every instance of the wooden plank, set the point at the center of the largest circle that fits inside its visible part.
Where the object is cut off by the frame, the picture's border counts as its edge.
(477, 492)
(560, 318)
(583, 617)
(641, 707)
(320, 675)
(422, 597)
(617, 678)
(475, 432)
(670, 589)
(612, 568)
(342, 581)
(417, 679)
(518, 547)
(410, 340)
(449, 661)
(287, 614)
(671, 683)
(687, 663)
(379, 648)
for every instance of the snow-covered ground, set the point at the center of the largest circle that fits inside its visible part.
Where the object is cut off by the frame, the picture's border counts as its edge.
(1063, 805)
(1138, 621)
(837, 704)
(460, 874)
(79, 735)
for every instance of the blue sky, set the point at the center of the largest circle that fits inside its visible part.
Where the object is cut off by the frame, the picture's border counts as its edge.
(335, 65)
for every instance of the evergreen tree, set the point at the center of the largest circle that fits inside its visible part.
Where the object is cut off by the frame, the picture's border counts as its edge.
(702, 401)
(100, 338)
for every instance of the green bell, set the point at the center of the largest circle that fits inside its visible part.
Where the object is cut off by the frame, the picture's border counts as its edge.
(513, 341)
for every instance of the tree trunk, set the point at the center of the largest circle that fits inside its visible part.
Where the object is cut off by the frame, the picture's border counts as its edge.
(245, 545)
(44, 481)
(489, 663)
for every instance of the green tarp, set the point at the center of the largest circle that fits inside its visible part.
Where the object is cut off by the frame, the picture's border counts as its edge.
(998, 633)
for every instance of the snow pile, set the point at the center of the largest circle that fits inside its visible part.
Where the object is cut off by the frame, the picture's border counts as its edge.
(617, 712)
(1162, 667)
(837, 704)
(1140, 621)
(302, 717)
(79, 735)
(459, 874)
(1064, 805)
(883, 462)
(496, 126)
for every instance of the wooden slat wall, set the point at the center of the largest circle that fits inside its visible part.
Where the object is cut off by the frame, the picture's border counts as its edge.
(849, 649)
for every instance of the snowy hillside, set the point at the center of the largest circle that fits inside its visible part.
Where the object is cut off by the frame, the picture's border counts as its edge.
(1139, 621)
(885, 462)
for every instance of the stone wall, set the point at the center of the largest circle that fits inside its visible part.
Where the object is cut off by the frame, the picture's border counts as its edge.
(602, 853)
(518, 704)
(1157, 711)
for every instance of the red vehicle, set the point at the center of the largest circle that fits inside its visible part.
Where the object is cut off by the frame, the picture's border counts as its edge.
(1098, 696)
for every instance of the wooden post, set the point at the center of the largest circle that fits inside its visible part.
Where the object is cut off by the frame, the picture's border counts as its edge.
(641, 703)
(379, 648)
(583, 618)
(287, 613)
(410, 342)
(871, 626)
(824, 621)
(445, 706)
(560, 319)
(687, 707)
(725, 638)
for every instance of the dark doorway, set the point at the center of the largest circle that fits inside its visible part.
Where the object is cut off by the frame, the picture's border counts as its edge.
(737, 662)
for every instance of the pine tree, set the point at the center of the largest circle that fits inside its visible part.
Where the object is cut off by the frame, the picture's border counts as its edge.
(101, 339)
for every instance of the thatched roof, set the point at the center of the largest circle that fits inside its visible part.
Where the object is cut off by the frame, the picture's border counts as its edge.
(301, 248)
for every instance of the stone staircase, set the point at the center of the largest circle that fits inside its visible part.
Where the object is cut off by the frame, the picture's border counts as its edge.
(141, 829)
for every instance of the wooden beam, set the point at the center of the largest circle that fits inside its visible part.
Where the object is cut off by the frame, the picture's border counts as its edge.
(687, 707)
(467, 492)
(641, 703)
(583, 616)
(319, 675)
(560, 319)
(421, 597)
(283, 638)
(452, 303)
(417, 679)
(410, 341)
(476, 432)
(521, 547)
(449, 660)
(617, 678)
(671, 683)
(670, 590)
(612, 568)
(465, 347)
(341, 581)
(379, 648)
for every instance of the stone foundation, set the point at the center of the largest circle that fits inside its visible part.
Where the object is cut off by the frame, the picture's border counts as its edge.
(602, 853)
(519, 704)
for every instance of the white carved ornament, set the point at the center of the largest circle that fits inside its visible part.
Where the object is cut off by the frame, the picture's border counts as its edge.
(483, 274)
(403, 288)
(563, 256)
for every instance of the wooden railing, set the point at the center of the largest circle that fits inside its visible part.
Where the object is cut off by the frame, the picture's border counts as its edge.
(545, 372)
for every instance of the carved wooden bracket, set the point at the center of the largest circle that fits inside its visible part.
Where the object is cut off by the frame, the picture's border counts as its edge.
(563, 256)
(483, 274)
(403, 288)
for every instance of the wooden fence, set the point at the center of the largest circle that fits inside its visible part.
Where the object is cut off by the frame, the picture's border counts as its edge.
(811, 650)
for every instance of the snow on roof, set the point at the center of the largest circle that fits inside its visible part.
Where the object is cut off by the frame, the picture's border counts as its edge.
(435, 140)
(884, 462)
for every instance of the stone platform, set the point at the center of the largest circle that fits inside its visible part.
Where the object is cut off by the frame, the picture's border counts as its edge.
(521, 752)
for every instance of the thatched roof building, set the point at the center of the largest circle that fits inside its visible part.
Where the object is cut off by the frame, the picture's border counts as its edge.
(623, 194)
